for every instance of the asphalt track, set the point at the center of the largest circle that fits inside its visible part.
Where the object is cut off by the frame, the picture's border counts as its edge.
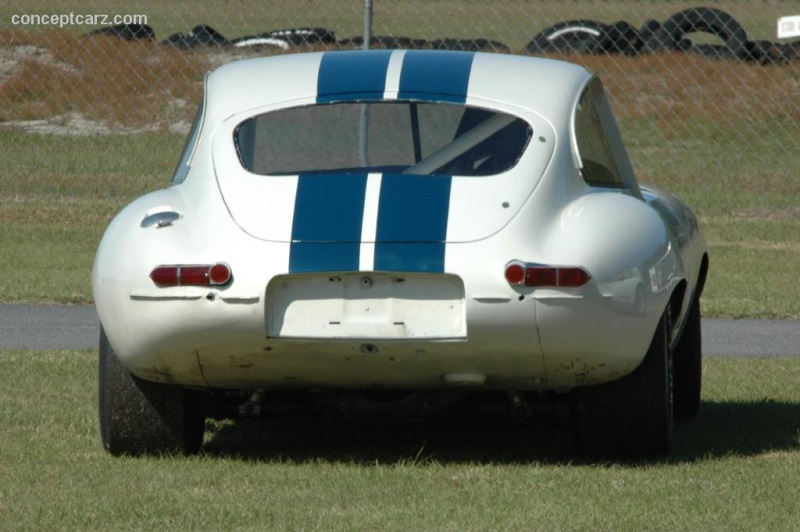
(77, 327)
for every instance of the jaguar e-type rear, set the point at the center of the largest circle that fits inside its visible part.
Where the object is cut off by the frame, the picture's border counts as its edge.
(396, 231)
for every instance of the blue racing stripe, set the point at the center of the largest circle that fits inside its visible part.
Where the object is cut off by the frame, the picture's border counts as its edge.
(435, 75)
(352, 75)
(326, 230)
(412, 223)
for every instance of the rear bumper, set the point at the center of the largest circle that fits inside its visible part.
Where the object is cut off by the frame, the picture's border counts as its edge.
(546, 340)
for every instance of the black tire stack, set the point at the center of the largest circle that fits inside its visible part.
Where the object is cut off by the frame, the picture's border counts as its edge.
(596, 38)
(581, 36)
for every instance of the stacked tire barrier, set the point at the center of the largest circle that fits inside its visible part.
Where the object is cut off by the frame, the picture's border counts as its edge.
(292, 39)
(593, 37)
(572, 36)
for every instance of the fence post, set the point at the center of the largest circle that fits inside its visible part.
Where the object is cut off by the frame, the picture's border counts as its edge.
(364, 116)
(367, 23)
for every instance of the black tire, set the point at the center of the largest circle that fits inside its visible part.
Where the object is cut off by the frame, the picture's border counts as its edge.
(384, 43)
(648, 29)
(791, 52)
(470, 45)
(127, 32)
(709, 51)
(139, 417)
(688, 365)
(200, 36)
(622, 38)
(302, 36)
(633, 416)
(766, 52)
(286, 38)
(699, 19)
(582, 36)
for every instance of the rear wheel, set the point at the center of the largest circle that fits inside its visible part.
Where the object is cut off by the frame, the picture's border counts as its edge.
(689, 365)
(633, 416)
(141, 417)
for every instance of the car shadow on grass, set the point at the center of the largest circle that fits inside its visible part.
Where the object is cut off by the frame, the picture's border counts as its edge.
(392, 441)
(720, 429)
(749, 428)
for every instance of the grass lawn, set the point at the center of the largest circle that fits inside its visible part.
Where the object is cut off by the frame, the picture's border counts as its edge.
(734, 467)
(54, 206)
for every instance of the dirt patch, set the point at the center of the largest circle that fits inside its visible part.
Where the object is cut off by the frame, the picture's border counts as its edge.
(60, 82)
(12, 56)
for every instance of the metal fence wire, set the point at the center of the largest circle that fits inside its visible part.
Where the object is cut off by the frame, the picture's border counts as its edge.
(704, 93)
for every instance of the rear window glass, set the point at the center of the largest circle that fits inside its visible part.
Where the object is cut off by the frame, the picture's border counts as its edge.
(400, 137)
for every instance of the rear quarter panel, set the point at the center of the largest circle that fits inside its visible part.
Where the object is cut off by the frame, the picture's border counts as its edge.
(604, 334)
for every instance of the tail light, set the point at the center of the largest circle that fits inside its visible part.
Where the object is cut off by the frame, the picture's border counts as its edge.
(524, 274)
(218, 274)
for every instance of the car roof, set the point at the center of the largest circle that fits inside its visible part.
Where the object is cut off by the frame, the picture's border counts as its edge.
(545, 86)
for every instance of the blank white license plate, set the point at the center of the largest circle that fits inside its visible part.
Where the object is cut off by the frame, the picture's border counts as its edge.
(366, 305)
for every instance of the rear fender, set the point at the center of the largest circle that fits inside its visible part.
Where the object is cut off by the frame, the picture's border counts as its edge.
(617, 237)
(601, 331)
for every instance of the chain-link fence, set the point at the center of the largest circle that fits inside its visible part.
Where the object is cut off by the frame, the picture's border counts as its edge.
(708, 98)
